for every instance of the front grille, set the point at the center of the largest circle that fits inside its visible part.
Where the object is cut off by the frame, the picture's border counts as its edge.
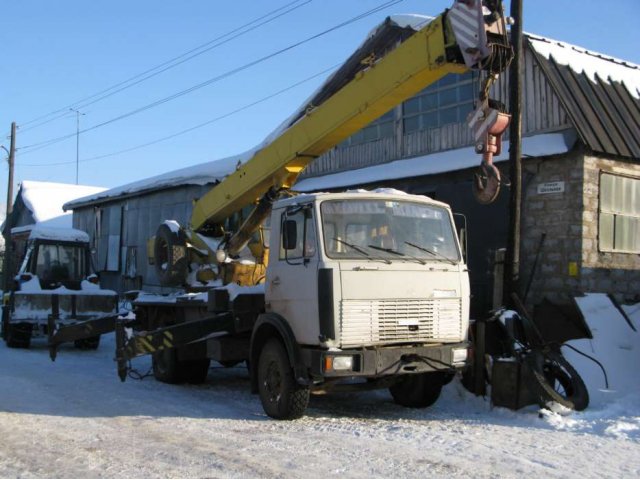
(370, 322)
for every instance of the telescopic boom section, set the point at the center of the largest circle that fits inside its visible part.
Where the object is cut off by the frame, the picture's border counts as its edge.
(426, 56)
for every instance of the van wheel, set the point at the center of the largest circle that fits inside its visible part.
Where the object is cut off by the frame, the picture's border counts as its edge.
(417, 391)
(281, 396)
(18, 335)
(91, 343)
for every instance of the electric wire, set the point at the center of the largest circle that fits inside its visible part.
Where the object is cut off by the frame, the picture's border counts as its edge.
(190, 129)
(38, 146)
(169, 64)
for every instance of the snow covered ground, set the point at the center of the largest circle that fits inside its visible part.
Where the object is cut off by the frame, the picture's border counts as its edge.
(73, 418)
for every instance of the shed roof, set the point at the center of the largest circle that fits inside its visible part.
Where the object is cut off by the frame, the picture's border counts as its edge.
(601, 94)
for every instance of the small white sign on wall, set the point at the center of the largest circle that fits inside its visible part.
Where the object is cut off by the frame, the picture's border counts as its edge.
(550, 187)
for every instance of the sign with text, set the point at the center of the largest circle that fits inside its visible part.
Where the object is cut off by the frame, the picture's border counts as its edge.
(550, 187)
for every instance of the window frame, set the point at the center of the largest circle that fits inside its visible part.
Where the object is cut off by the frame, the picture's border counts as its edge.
(615, 213)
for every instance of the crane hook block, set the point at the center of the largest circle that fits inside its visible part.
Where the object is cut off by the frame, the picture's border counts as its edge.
(488, 125)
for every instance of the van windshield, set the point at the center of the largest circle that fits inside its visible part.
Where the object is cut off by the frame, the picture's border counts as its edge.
(388, 229)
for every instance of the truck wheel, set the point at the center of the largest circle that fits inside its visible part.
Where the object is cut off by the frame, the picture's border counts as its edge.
(168, 369)
(165, 366)
(417, 391)
(18, 335)
(194, 371)
(282, 398)
(91, 343)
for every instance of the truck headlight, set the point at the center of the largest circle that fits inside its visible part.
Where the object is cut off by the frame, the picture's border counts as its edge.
(458, 355)
(338, 363)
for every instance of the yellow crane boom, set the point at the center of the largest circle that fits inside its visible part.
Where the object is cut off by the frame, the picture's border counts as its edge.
(472, 34)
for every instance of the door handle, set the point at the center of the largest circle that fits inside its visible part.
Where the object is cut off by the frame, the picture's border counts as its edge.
(275, 281)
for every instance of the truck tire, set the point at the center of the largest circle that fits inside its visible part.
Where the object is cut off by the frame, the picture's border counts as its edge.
(194, 371)
(170, 256)
(555, 380)
(281, 396)
(18, 335)
(91, 343)
(417, 391)
(168, 369)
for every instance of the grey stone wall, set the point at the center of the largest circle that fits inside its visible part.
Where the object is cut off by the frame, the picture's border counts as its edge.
(570, 262)
(617, 273)
(559, 216)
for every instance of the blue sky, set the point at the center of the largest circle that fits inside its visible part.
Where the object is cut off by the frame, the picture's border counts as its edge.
(59, 52)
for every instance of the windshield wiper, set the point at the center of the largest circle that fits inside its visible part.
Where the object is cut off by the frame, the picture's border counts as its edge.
(431, 252)
(395, 252)
(360, 250)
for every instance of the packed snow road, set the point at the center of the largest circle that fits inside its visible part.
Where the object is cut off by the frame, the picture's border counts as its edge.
(73, 418)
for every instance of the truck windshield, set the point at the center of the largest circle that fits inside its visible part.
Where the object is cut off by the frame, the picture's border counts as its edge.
(388, 229)
(60, 263)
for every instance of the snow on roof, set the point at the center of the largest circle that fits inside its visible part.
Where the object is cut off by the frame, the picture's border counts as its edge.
(44, 231)
(45, 199)
(591, 63)
(440, 162)
(64, 221)
(201, 174)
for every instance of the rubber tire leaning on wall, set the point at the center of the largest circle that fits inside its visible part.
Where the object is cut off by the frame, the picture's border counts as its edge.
(555, 380)
(170, 252)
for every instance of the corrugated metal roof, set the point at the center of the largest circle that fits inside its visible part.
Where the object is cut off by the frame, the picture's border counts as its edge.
(604, 108)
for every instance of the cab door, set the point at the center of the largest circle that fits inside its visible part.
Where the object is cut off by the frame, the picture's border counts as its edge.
(292, 274)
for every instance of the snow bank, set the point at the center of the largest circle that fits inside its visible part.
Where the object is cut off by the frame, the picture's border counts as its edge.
(615, 344)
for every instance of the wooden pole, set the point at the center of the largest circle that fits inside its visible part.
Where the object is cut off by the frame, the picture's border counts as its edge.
(7, 267)
(512, 259)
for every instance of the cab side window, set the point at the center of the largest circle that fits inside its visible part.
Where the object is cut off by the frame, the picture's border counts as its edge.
(306, 242)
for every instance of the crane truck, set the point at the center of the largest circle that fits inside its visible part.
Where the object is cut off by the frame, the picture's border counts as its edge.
(344, 291)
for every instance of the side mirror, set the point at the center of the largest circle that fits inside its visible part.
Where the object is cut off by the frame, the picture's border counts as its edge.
(289, 234)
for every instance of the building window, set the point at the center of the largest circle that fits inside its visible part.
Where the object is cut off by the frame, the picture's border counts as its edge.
(619, 214)
(449, 100)
(376, 130)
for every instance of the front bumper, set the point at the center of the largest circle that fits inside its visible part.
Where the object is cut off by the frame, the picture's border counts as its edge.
(376, 362)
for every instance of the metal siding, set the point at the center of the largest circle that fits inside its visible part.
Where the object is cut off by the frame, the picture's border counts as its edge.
(143, 215)
(544, 112)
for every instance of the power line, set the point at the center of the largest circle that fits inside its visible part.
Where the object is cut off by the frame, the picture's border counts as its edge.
(40, 145)
(169, 64)
(190, 129)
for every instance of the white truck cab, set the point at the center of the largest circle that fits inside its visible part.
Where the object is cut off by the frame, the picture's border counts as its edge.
(367, 284)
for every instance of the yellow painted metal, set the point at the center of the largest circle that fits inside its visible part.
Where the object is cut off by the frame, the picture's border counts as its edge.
(416, 63)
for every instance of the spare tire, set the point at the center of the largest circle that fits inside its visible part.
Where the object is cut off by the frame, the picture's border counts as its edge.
(555, 380)
(170, 256)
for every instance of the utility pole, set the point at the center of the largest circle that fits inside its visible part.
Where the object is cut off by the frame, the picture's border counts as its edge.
(512, 257)
(78, 113)
(7, 229)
